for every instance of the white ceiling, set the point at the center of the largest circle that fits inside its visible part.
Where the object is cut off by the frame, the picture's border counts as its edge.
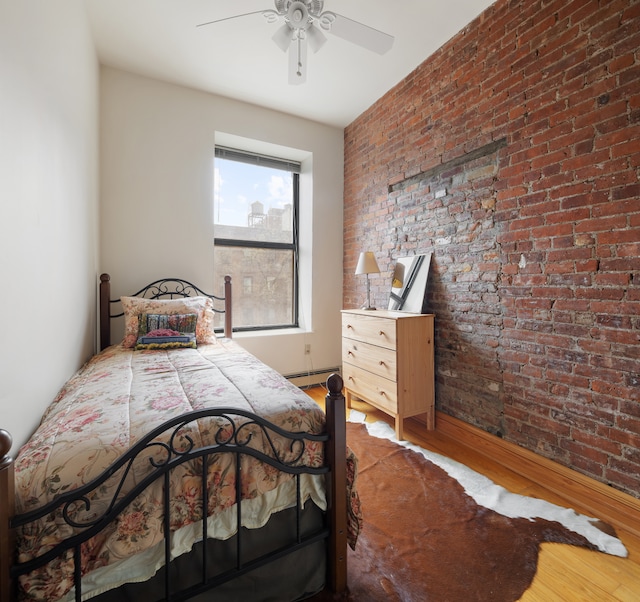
(238, 59)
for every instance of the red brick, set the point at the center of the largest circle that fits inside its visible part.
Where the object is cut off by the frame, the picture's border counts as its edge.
(559, 333)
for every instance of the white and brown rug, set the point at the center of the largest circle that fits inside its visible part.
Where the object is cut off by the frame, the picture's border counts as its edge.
(434, 530)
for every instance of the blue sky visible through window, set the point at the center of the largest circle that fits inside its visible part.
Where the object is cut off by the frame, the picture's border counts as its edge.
(237, 185)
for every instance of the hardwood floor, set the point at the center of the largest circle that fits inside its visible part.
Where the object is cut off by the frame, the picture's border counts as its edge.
(565, 573)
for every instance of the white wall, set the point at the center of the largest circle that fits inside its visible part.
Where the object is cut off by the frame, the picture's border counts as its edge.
(157, 150)
(48, 204)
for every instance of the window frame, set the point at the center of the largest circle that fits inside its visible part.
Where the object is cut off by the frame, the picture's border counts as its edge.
(294, 167)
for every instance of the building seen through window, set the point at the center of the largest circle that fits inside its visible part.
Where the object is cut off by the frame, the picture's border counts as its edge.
(255, 237)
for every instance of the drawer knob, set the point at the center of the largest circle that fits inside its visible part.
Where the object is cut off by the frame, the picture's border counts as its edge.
(382, 363)
(381, 333)
(349, 326)
(383, 393)
(349, 352)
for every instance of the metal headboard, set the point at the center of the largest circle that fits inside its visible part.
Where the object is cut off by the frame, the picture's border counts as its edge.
(164, 288)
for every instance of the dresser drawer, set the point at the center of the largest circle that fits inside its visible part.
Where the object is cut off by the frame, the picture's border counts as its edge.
(378, 360)
(370, 329)
(378, 391)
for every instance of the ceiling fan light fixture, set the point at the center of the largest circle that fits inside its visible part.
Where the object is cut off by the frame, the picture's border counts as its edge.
(283, 37)
(298, 16)
(326, 20)
(316, 38)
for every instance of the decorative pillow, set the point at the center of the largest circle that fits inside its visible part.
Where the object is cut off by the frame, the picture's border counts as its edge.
(180, 323)
(163, 332)
(166, 331)
(133, 307)
(173, 342)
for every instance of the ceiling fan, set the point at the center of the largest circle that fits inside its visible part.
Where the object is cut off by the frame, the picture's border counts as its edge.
(305, 22)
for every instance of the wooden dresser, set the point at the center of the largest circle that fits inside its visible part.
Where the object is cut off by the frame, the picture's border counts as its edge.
(387, 361)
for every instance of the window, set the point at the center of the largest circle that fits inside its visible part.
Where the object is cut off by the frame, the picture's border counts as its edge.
(256, 236)
(248, 285)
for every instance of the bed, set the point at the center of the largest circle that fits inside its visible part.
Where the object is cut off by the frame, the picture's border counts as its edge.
(163, 433)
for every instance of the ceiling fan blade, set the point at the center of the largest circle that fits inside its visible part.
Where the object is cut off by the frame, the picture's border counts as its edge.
(357, 33)
(298, 61)
(316, 38)
(282, 37)
(255, 12)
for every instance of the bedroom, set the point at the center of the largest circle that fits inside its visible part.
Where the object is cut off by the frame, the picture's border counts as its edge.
(55, 148)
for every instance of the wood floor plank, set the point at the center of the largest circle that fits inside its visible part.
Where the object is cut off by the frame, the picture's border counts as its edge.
(625, 594)
(563, 567)
(600, 571)
(541, 591)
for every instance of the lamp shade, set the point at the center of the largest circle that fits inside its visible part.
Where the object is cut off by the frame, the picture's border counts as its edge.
(367, 263)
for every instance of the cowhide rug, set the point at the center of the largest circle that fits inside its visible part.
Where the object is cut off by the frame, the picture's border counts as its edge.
(434, 530)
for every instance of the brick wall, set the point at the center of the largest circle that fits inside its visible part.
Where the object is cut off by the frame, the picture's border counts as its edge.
(529, 119)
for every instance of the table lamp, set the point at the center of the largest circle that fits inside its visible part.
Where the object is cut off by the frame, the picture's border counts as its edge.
(367, 264)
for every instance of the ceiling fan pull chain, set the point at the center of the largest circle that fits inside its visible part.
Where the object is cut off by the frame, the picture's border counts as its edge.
(299, 71)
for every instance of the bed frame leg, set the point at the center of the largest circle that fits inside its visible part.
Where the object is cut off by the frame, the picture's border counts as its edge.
(228, 318)
(337, 453)
(7, 510)
(105, 296)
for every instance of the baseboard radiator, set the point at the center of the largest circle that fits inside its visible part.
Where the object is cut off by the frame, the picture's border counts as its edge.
(313, 378)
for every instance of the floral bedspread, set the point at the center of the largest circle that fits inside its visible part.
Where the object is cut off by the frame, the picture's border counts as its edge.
(116, 399)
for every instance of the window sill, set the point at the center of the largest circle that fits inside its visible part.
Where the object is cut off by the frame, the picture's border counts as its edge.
(258, 334)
